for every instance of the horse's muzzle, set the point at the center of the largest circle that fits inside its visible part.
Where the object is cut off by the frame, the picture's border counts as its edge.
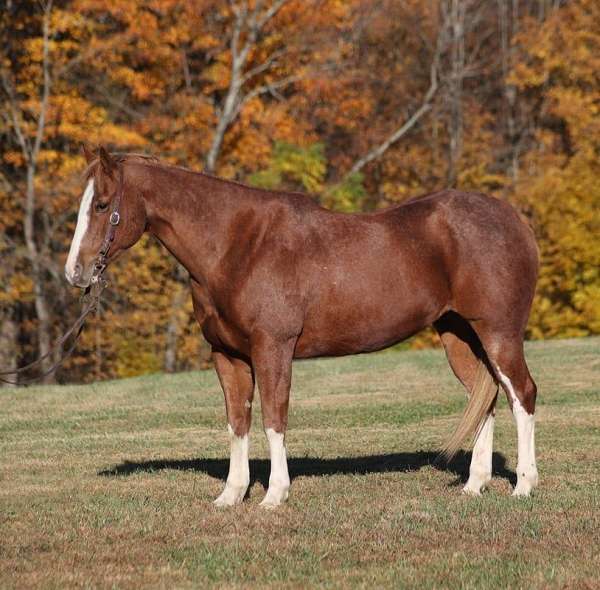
(76, 277)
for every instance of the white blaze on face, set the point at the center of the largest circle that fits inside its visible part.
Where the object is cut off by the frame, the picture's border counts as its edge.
(83, 220)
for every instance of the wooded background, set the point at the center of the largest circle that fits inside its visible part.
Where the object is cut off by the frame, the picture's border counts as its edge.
(362, 103)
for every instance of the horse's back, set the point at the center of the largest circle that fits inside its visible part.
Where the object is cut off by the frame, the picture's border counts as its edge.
(370, 280)
(373, 280)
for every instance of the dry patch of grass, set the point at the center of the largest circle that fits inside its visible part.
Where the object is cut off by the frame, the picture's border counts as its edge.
(111, 485)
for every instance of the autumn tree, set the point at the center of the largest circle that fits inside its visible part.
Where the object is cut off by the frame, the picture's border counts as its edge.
(361, 104)
(558, 72)
(44, 119)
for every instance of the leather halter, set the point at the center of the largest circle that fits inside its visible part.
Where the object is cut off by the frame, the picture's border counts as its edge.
(114, 219)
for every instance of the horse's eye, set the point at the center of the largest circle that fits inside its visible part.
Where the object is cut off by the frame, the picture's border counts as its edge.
(101, 207)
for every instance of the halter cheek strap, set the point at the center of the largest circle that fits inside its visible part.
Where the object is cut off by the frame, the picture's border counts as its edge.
(113, 221)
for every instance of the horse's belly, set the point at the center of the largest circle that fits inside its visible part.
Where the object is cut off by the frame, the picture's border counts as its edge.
(310, 346)
(360, 328)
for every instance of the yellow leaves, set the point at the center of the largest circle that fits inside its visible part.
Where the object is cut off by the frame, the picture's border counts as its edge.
(579, 109)
(565, 202)
(527, 76)
(205, 42)
(198, 119)
(152, 76)
(249, 151)
(34, 48)
(341, 102)
(563, 191)
(478, 177)
(13, 157)
(566, 47)
(217, 76)
(67, 21)
(80, 121)
(141, 84)
(587, 301)
(19, 287)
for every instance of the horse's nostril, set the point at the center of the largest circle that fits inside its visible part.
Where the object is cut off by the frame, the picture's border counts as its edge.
(77, 271)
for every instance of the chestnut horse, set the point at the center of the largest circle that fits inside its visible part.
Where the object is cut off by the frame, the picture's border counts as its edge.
(274, 277)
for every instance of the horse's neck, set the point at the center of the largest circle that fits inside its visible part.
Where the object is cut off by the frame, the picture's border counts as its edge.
(192, 216)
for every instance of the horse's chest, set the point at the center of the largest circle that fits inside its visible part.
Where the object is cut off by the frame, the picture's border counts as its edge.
(223, 334)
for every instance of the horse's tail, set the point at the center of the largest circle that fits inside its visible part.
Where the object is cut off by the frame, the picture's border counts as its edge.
(483, 396)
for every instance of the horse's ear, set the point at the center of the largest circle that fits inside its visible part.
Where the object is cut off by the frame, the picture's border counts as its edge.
(107, 161)
(87, 153)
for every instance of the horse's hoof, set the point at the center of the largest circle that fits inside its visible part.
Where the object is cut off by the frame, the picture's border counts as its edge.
(523, 491)
(476, 484)
(473, 492)
(274, 498)
(525, 485)
(231, 496)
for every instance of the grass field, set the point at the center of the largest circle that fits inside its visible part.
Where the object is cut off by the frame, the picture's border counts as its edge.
(110, 485)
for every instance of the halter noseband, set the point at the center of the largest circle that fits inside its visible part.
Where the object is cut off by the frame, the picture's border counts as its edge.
(114, 219)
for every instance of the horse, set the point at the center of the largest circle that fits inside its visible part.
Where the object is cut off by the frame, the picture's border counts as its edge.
(275, 277)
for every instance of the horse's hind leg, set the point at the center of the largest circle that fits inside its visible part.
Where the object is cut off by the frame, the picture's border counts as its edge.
(465, 353)
(507, 358)
(237, 381)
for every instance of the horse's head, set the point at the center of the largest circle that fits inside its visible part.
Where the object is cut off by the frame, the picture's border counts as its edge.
(106, 182)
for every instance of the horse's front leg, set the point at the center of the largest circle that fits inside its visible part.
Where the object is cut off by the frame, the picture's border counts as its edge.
(272, 361)
(237, 381)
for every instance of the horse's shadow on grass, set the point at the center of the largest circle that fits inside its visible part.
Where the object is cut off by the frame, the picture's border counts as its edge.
(316, 466)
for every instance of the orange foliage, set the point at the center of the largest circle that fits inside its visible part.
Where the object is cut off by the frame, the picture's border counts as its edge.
(324, 82)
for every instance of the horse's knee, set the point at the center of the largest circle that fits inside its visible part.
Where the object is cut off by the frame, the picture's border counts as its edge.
(513, 374)
(528, 396)
(239, 426)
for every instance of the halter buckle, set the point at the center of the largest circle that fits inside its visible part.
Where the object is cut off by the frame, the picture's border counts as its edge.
(97, 272)
(114, 218)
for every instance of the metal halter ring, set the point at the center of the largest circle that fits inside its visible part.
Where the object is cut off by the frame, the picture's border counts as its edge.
(114, 218)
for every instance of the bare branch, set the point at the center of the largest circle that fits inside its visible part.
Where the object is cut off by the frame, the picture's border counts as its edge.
(8, 186)
(270, 13)
(396, 135)
(93, 51)
(14, 120)
(240, 16)
(263, 67)
(393, 138)
(47, 83)
(252, 22)
(269, 88)
(234, 7)
(186, 70)
(119, 103)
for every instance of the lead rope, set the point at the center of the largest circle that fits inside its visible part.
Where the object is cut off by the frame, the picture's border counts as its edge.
(90, 302)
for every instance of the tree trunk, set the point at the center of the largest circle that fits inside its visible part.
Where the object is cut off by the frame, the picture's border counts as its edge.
(508, 27)
(30, 154)
(8, 344)
(174, 327)
(40, 298)
(456, 16)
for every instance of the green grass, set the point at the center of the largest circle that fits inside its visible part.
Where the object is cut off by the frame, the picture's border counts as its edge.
(110, 485)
